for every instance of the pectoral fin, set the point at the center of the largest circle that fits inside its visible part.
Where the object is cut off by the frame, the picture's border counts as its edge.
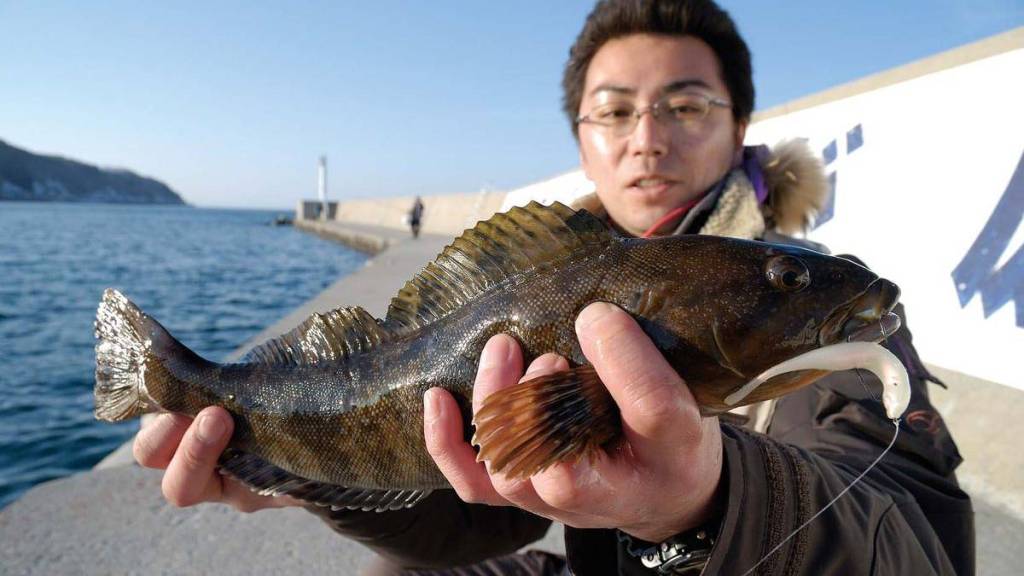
(563, 416)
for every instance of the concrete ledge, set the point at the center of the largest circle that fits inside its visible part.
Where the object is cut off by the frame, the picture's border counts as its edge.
(447, 215)
(986, 420)
(115, 521)
(122, 456)
(347, 235)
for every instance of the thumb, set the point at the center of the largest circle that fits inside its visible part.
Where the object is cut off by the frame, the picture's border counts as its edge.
(657, 408)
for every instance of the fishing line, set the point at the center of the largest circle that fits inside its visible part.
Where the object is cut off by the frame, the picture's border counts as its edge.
(865, 386)
(857, 370)
(896, 433)
(896, 423)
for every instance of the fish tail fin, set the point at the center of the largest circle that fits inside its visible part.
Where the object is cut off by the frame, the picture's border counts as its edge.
(126, 337)
(524, 429)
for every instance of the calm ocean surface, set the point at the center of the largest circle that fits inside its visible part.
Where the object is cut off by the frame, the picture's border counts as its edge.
(213, 277)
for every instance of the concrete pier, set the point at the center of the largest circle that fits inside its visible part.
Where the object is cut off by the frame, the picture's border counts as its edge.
(113, 519)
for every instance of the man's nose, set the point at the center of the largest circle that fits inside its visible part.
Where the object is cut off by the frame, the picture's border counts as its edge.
(650, 137)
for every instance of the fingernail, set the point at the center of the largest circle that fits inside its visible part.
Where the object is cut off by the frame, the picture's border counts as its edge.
(591, 314)
(431, 407)
(158, 421)
(496, 352)
(210, 429)
(546, 364)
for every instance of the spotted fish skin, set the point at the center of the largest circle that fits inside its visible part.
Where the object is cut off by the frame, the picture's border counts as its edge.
(332, 412)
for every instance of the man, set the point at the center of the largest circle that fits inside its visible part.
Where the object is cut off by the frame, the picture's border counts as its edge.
(415, 214)
(659, 94)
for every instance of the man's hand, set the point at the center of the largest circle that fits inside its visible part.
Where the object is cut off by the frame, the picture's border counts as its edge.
(189, 450)
(661, 480)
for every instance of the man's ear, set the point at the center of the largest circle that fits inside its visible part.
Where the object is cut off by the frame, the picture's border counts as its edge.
(741, 133)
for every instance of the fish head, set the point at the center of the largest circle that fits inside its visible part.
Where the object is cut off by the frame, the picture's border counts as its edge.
(769, 303)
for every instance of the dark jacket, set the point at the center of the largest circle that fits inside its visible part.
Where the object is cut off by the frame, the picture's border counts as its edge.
(907, 516)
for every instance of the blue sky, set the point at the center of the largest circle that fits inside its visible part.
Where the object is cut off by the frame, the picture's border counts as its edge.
(231, 103)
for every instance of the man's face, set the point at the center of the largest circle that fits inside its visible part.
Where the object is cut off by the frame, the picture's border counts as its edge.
(642, 176)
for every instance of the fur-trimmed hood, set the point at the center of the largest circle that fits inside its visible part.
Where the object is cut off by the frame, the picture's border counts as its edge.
(792, 186)
(797, 188)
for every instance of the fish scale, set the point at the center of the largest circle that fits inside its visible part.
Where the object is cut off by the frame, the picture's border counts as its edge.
(332, 412)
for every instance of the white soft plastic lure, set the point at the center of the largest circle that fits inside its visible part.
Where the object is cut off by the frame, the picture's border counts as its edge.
(845, 356)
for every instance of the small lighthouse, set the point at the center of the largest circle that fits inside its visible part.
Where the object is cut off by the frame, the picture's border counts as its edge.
(322, 187)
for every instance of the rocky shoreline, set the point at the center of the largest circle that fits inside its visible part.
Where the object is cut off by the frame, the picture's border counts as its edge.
(29, 177)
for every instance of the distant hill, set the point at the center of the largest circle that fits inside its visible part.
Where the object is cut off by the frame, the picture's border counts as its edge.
(32, 177)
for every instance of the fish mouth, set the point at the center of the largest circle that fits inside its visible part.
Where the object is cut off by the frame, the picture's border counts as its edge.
(868, 317)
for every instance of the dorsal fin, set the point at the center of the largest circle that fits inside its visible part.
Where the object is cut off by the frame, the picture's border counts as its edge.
(335, 335)
(494, 250)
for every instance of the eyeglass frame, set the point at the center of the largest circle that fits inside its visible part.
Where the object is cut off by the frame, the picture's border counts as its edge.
(656, 111)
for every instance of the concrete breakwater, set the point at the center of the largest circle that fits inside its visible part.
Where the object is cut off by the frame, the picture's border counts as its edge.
(114, 520)
(447, 215)
(347, 235)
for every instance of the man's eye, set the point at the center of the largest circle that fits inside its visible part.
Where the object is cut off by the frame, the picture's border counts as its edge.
(684, 106)
(685, 110)
(614, 113)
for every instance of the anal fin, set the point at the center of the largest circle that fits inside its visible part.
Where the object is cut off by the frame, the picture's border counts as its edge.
(270, 480)
(524, 429)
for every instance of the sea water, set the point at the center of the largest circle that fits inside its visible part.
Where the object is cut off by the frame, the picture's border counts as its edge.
(213, 277)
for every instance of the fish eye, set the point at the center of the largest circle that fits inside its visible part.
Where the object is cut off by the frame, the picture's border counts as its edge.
(787, 274)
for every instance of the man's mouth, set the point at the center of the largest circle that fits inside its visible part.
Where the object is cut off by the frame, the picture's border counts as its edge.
(651, 184)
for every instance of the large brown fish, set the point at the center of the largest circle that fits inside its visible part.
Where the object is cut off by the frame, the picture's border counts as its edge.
(332, 412)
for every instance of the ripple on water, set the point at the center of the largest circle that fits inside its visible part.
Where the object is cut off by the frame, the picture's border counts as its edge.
(214, 278)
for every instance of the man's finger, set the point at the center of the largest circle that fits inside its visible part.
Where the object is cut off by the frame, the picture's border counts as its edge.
(579, 488)
(520, 491)
(191, 475)
(656, 405)
(501, 364)
(546, 364)
(443, 434)
(156, 442)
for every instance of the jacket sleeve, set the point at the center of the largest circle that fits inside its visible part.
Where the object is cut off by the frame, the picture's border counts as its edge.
(440, 531)
(907, 516)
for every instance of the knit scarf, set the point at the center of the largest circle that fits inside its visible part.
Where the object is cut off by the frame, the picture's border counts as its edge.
(732, 209)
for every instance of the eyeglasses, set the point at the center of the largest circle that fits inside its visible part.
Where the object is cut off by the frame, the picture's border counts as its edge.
(685, 109)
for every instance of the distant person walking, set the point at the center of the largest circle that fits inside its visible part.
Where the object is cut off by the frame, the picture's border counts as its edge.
(415, 215)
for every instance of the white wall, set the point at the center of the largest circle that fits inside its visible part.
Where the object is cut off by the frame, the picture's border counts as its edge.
(563, 188)
(938, 153)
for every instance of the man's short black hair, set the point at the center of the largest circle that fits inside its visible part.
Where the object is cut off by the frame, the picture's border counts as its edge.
(702, 19)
